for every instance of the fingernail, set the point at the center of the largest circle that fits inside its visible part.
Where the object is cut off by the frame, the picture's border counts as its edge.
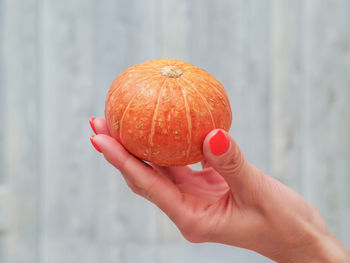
(94, 144)
(91, 121)
(218, 143)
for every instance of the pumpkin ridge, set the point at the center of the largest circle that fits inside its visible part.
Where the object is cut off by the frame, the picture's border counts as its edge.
(209, 83)
(111, 98)
(155, 115)
(203, 99)
(115, 87)
(126, 109)
(212, 85)
(123, 85)
(189, 121)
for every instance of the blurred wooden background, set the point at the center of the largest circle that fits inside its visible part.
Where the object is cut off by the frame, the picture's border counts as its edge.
(285, 65)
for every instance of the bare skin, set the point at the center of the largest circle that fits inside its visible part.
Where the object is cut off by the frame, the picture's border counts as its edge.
(229, 201)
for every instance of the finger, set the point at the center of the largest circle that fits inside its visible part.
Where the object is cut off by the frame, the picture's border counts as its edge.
(141, 177)
(99, 125)
(223, 154)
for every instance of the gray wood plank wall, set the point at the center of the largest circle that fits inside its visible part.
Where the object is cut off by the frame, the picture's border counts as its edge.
(285, 65)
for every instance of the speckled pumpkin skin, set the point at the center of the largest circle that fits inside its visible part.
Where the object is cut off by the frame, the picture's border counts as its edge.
(161, 111)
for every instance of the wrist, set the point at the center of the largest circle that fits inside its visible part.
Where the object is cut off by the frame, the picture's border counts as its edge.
(322, 248)
(330, 249)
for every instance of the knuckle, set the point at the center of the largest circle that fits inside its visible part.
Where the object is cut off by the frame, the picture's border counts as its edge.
(146, 191)
(123, 166)
(152, 186)
(192, 230)
(148, 195)
(192, 239)
(134, 188)
(233, 163)
(191, 236)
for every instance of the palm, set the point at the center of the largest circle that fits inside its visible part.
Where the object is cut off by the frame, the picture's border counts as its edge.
(205, 187)
(207, 200)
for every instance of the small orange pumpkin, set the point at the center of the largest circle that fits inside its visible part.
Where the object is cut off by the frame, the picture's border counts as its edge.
(161, 111)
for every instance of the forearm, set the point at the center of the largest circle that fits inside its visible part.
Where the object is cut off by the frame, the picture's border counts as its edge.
(325, 249)
(331, 249)
(303, 236)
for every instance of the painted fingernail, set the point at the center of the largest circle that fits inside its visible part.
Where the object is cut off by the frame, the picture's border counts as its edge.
(218, 143)
(94, 144)
(91, 121)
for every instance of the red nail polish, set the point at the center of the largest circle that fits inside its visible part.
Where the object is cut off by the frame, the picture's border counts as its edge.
(94, 144)
(91, 121)
(218, 143)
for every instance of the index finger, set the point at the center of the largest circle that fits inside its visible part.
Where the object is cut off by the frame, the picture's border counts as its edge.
(99, 125)
(157, 188)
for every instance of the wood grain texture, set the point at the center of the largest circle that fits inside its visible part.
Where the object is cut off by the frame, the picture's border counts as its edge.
(286, 94)
(3, 212)
(326, 112)
(2, 94)
(2, 136)
(252, 111)
(67, 97)
(20, 127)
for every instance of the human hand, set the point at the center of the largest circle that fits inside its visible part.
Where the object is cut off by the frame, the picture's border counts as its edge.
(230, 201)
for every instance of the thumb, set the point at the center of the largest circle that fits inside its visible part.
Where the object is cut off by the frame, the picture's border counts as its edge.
(223, 154)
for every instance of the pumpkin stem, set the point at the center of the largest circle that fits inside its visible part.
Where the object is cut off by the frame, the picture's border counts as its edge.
(171, 72)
